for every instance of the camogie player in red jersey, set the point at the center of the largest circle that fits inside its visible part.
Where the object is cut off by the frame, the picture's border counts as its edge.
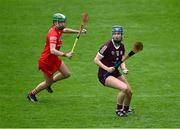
(109, 55)
(50, 61)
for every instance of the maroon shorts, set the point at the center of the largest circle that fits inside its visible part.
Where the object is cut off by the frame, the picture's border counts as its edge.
(102, 77)
(49, 69)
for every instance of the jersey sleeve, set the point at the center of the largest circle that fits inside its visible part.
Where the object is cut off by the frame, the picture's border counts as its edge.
(103, 50)
(52, 37)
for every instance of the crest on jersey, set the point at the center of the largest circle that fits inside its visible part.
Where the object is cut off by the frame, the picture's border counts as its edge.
(113, 53)
(117, 53)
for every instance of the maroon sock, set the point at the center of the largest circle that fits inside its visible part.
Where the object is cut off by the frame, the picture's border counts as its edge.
(119, 107)
(126, 108)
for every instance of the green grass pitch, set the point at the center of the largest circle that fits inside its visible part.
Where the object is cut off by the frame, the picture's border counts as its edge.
(81, 101)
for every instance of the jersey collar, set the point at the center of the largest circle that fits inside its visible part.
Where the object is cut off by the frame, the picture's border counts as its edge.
(117, 47)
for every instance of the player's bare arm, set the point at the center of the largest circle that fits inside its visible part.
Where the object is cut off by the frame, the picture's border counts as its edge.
(59, 53)
(97, 60)
(69, 30)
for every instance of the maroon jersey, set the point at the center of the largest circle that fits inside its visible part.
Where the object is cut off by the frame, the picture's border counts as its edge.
(111, 55)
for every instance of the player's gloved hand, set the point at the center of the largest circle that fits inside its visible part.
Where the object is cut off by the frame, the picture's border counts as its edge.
(125, 71)
(84, 31)
(110, 69)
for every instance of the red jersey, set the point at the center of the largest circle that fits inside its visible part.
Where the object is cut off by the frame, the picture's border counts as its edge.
(50, 62)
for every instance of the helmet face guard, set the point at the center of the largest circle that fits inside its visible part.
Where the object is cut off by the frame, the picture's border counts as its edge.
(117, 28)
(61, 25)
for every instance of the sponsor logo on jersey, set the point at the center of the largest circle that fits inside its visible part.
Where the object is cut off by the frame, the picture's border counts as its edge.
(117, 53)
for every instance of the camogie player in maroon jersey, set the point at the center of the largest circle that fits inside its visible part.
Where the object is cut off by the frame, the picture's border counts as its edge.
(107, 57)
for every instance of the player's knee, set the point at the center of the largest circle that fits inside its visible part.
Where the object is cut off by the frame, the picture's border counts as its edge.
(125, 90)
